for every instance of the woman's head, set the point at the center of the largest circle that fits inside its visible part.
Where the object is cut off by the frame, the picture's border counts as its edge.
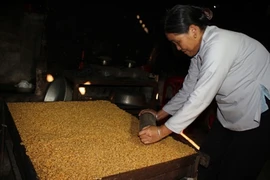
(184, 26)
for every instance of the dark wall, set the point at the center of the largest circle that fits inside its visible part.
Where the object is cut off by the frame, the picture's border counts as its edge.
(20, 43)
(249, 18)
(99, 29)
(105, 29)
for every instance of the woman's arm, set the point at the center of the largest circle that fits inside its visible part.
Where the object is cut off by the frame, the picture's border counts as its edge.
(189, 84)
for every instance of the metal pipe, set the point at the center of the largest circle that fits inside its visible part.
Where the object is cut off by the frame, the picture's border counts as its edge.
(147, 119)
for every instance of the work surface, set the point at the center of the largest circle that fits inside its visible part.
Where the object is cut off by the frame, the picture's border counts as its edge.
(87, 140)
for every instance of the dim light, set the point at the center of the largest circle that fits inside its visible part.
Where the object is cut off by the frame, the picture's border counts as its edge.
(87, 83)
(49, 78)
(146, 30)
(82, 90)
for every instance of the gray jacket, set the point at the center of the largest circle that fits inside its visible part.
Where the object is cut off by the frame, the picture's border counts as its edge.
(234, 69)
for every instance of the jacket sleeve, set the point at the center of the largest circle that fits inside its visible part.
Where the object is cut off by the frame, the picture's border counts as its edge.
(216, 62)
(177, 101)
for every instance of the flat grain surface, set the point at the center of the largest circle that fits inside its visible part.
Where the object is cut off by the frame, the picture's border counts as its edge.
(86, 140)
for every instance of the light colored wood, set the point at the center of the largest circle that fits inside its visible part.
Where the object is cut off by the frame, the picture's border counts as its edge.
(190, 141)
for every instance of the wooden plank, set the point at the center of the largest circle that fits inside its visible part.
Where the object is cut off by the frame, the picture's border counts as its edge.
(168, 170)
(23, 162)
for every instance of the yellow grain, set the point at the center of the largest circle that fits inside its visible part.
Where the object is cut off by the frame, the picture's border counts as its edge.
(86, 140)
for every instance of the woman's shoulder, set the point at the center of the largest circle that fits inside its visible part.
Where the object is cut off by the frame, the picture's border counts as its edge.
(215, 34)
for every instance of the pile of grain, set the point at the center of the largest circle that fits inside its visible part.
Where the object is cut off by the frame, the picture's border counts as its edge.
(86, 140)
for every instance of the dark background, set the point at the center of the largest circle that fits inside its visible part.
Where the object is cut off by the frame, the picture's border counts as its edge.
(112, 29)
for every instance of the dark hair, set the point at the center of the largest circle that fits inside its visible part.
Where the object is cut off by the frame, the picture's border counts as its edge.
(180, 17)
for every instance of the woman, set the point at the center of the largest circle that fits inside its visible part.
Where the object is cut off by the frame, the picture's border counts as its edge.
(235, 70)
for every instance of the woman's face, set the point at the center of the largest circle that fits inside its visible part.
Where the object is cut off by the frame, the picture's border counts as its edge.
(188, 43)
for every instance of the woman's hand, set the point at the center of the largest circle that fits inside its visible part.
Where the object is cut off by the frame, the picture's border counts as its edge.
(150, 134)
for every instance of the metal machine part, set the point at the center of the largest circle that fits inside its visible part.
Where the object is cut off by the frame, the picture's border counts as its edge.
(147, 119)
(59, 90)
(130, 98)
